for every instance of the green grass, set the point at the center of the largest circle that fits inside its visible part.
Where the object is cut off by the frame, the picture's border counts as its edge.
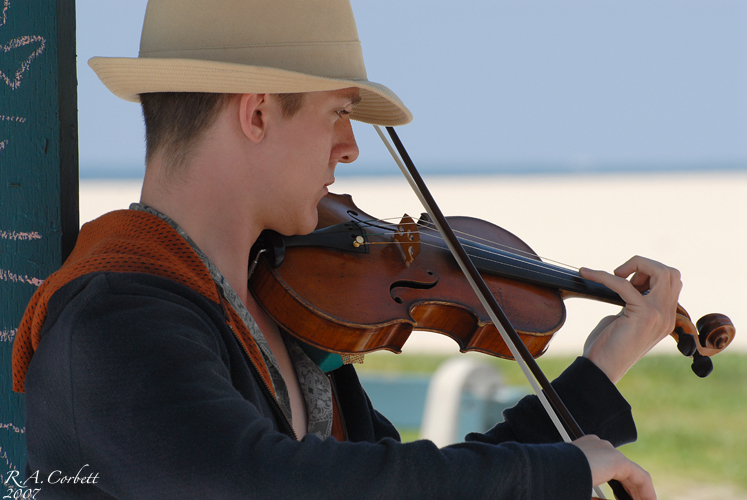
(690, 430)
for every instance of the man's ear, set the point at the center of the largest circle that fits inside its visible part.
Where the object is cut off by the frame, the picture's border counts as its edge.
(253, 116)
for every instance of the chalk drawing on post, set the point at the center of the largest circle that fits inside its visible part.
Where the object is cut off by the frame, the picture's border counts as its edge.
(16, 43)
(8, 335)
(16, 236)
(6, 5)
(6, 275)
(14, 428)
(18, 119)
(17, 278)
(14, 80)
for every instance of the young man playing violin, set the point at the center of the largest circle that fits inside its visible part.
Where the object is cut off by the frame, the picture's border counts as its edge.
(147, 361)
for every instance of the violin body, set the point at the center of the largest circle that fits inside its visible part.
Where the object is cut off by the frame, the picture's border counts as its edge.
(349, 302)
(378, 281)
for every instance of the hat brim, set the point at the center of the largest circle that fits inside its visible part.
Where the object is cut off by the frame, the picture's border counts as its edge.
(128, 77)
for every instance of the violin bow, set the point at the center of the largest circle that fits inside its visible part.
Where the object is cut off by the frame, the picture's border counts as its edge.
(546, 393)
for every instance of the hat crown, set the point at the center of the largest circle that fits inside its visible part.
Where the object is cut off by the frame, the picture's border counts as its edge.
(317, 37)
(250, 46)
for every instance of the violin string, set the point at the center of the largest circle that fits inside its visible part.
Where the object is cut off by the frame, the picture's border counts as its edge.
(538, 265)
(470, 238)
(539, 269)
(508, 248)
(477, 239)
(494, 245)
(511, 254)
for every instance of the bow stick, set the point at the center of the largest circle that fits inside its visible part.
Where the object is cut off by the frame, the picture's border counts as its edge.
(545, 391)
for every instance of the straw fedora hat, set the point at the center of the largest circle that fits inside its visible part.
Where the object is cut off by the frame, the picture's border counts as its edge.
(250, 46)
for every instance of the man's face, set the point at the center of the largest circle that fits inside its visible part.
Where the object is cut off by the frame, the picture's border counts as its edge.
(306, 149)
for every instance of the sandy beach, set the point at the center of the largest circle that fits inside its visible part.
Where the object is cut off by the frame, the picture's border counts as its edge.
(696, 222)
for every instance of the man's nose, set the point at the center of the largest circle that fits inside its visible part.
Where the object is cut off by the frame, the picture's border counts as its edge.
(346, 149)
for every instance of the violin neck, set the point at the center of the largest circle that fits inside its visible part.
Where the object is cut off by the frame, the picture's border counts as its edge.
(532, 270)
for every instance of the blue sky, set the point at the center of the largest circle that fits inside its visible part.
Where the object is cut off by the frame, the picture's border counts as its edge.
(502, 83)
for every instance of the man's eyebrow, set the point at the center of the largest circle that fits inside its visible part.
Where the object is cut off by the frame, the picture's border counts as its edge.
(354, 99)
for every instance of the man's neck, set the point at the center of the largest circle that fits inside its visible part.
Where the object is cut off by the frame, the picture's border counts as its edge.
(222, 228)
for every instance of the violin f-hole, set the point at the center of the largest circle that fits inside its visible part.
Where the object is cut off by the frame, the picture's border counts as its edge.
(417, 285)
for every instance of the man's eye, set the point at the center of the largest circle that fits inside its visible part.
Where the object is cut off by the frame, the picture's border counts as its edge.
(343, 112)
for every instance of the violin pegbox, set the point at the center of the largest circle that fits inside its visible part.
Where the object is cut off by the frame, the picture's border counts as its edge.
(712, 334)
(407, 238)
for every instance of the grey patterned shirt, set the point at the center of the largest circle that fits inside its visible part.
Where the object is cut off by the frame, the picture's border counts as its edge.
(315, 385)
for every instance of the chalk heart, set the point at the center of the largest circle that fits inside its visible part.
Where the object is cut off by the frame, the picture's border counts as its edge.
(33, 42)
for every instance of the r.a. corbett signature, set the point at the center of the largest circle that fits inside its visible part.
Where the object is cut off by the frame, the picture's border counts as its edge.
(29, 487)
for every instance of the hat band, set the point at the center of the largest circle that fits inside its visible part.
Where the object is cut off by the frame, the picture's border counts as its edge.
(329, 60)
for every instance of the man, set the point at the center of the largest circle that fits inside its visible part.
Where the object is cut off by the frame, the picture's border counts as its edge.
(150, 370)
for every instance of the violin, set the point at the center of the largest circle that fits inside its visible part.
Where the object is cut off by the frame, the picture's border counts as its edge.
(360, 284)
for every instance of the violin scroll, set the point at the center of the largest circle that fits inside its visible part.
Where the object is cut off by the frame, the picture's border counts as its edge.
(715, 331)
(711, 335)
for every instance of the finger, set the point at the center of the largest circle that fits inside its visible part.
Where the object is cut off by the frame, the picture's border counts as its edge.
(638, 263)
(648, 270)
(617, 284)
(659, 305)
(648, 275)
(641, 282)
(663, 282)
(638, 483)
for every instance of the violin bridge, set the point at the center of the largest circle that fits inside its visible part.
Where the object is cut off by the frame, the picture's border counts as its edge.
(407, 238)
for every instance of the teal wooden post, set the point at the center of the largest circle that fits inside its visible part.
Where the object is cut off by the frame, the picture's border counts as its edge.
(38, 176)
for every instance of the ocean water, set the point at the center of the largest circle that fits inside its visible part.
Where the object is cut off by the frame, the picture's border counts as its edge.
(362, 168)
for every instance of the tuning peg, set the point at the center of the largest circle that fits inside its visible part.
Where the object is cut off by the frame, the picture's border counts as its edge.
(702, 365)
(685, 343)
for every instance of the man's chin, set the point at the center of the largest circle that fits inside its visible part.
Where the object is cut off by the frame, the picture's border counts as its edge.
(302, 228)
